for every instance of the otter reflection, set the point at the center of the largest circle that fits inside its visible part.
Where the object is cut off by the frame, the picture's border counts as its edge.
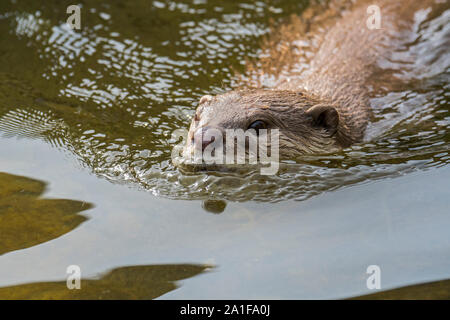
(133, 282)
(26, 220)
(214, 206)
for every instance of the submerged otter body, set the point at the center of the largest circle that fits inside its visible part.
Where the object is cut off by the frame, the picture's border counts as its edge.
(326, 107)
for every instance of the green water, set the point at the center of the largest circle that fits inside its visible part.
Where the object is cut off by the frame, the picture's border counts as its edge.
(86, 178)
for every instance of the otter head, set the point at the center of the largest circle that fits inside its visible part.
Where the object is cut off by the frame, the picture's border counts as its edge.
(305, 125)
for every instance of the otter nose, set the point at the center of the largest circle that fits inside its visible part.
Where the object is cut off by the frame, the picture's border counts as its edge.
(206, 139)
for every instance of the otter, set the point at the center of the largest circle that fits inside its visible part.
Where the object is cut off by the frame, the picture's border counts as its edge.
(322, 109)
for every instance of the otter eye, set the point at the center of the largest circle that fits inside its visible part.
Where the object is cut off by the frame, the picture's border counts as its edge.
(257, 125)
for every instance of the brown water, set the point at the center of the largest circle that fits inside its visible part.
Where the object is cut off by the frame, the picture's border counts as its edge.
(90, 113)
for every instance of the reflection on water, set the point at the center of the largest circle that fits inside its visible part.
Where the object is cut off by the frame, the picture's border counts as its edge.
(134, 282)
(438, 290)
(26, 220)
(113, 92)
(214, 206)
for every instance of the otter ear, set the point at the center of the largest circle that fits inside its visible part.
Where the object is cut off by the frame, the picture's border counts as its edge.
(325, 116)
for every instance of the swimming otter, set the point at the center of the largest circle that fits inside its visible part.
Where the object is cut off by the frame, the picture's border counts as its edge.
(322, 109)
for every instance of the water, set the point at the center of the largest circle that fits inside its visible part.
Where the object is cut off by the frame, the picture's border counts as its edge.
(86, 119)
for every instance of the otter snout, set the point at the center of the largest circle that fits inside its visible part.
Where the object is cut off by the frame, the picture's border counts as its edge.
(204, 136)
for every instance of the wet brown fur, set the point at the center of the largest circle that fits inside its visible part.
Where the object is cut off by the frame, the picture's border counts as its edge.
(342, 57)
